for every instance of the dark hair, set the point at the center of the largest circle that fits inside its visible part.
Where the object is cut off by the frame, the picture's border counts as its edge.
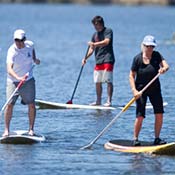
(98, 20)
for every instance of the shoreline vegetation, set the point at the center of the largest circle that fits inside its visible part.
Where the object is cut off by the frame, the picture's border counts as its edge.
(121, 2)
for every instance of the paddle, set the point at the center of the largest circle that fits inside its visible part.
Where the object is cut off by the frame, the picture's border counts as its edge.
(70, 101)
(17, 88)
(118, 115)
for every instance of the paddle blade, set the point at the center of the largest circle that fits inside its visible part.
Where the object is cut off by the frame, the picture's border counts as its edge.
(89, 146)
(69, 102)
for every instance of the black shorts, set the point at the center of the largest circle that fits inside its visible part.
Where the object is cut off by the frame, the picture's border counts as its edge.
(156, 100)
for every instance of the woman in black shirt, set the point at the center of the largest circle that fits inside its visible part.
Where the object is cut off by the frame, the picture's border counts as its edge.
(144, 68)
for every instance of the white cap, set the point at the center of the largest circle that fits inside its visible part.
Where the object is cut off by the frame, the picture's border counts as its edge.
(149, 40)
(19, 34)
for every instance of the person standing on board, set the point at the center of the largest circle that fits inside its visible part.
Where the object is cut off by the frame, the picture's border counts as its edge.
(20, 59)
(145, 67)
(102, 45)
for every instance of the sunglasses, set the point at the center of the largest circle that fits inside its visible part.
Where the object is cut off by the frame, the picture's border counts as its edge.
(19, 40)
(149, 46)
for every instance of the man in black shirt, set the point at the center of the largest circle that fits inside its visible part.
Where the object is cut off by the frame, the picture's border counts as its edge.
(102, 45)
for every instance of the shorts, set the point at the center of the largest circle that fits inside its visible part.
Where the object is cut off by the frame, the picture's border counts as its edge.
(156, 100)
(26, 91)
(103, 73)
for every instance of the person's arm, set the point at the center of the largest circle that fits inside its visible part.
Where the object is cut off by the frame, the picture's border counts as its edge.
(164, 67)
(90, 52)
(93, 45)
(108, 35)
(135, 92)
(11, 72)
(132, 80)
(102, 43)
(36, 60)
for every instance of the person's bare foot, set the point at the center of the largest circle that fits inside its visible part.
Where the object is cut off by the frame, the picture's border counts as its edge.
(107, 104)
(31, 133)
(5, 134)
(95, 104)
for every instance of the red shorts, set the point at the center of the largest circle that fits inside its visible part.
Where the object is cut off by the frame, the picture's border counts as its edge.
(105, 66)
(103, 73)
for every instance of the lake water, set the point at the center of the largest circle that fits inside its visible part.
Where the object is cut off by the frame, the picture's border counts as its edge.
(61, 33)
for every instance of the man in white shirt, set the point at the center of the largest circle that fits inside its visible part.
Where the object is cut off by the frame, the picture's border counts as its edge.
(20, 59)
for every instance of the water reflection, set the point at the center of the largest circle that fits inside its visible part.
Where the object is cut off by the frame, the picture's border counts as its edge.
(99, 113)
(145, 164)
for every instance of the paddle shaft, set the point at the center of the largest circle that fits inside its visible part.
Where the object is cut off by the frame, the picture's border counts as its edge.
(70, 101)
(77, 83)
(119, 114)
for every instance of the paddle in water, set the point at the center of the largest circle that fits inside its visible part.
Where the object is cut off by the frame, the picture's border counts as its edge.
(71, 100)
(118, 115)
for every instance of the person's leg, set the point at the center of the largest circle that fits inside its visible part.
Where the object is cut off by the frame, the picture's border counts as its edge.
(99, 93)
(8, 116)
(157, 102)
(10, 88)
(138, 126)
(140, 115)
(98, 85)
(108, 78)
(157, 128)
(110, 92)
(32, 114)
(27, 93)
(158, 124)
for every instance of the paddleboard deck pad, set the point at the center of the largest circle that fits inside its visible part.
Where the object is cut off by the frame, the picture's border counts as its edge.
(146, 147)
(21, 137)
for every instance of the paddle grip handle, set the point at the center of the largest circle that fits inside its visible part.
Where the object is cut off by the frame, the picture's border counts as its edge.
(22, 81)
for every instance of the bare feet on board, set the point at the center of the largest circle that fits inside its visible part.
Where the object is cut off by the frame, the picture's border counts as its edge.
(5, 134)
(107, 104)
(95, 104)
(31, 133)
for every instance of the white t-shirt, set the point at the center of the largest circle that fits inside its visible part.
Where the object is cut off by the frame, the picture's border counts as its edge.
(22, 60)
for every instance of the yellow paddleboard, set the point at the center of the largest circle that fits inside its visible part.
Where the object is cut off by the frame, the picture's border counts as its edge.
(146, 147)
